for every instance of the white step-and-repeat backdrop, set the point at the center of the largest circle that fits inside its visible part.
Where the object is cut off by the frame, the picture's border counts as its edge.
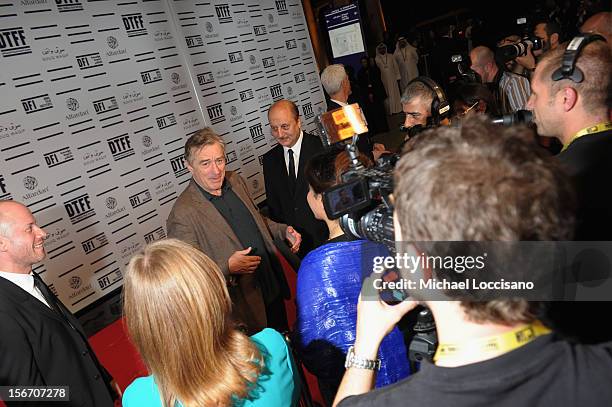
(98, 98)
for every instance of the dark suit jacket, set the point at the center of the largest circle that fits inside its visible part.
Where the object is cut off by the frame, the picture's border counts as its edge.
(195, 220)
(364, 144)
(293, 210)
(39, 348)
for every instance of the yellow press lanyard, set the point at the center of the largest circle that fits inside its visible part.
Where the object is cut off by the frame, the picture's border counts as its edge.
(493, 344)
(599, 127)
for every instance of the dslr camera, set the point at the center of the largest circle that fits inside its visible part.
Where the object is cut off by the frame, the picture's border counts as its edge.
(362, 202)
(512, 51)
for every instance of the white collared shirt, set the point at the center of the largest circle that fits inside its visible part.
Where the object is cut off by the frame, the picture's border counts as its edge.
(26, 283)
(297, 147)
(339, 102)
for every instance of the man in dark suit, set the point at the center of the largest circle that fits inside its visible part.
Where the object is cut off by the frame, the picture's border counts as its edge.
(336, 83)
(283, 167)
(216, 214)
(41, 343)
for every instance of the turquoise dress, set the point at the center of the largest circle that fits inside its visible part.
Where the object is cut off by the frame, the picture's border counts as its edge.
(278, 385)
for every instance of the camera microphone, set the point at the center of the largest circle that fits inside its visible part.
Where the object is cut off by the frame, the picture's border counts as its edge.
(520, 116)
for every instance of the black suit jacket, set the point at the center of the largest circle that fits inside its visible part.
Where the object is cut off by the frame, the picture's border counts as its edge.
(293, 210)
(39, 348)
(364, 144)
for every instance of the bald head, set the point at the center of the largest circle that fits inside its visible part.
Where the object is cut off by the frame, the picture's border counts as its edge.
(287, 105)
(483, 63)
(482, 55)
(21, 240)
(9, 210)
(600, 23)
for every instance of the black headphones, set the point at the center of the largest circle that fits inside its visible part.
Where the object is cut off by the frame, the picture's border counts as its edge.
(439, 105)
(568, 69)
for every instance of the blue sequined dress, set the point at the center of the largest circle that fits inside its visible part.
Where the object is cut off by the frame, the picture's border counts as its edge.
(328, 286)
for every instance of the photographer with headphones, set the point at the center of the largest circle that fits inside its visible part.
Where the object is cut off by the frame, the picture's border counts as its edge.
(570, 101)
(477, 182)
(425, 105)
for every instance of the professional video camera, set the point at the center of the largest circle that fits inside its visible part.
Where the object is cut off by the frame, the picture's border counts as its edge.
(362, 201)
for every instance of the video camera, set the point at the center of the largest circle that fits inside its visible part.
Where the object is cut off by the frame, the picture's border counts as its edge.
(362, 200)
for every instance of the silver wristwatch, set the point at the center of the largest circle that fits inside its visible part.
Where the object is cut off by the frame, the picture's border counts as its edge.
(353, 360)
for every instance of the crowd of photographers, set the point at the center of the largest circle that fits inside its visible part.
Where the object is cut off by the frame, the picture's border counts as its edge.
(461, 178)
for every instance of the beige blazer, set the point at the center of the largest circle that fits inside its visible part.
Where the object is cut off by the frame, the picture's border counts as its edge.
(195, 220)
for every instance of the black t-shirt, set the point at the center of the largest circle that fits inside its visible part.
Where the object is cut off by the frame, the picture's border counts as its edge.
(545, 372)
(588, 160)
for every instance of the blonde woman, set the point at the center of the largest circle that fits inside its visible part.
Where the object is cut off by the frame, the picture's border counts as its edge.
(177, 310)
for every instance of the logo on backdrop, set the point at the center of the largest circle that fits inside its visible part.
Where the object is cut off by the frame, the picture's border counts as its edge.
(79, 209)
(166, 121)
(178, 166)
(154, 235)
(120, 147)
(111, 203)
(133, 24)
(140, 198)
(36, 103)
(94, 243)
(105, 105)
(235, 56)
(146, 141)
(259, 30)
(307, 110)
(215, 113)
(88, 61)
(281, 7)
(276, 92)
(291, 44)
(194, 41)
(223, 13)
(299, 77)
(75, 282)
(268, 62)
(112, 42)
(13, 42)
(66, 6)
(30, 183)
(58, 157)
(257, 133)
(72, 104)
(205, 78)
(153, 75)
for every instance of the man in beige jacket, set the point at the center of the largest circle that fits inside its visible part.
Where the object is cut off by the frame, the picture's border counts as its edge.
(216, 214)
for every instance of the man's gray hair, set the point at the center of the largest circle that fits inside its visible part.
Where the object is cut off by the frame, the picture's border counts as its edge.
(417, 89)
(332, 78)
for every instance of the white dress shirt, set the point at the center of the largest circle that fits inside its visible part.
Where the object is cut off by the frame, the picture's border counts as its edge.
(26, 283)
(297, 147)
(339, 102)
